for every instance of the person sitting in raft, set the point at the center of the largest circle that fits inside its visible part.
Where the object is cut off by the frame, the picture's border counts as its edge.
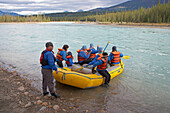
(69, 62)
(97, 56)
(83, 55)
(101, 67)
(114, 57)
(93, 51)
(61, 55)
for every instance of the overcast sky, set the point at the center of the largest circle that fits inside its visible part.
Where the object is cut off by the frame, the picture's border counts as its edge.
(51, 6)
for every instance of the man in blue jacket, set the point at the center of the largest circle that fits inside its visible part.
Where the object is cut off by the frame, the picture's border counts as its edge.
(83, 55)
(101, 64)
(47, 61)
(97, 56)
(93, 51)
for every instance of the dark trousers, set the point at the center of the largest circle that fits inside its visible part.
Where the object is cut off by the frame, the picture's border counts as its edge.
(86, 61)
(106, 74)
(59, 63)
(47, 80)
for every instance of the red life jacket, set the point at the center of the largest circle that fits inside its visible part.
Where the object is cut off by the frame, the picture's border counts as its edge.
(58, 56)
(69, 56)
(81, 58)
(44, 62)
(104, 65)
(116, 57)
(92, 55)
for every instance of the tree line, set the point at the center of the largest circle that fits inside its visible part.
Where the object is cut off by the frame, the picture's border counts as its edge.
(32, 18)
(159, 13)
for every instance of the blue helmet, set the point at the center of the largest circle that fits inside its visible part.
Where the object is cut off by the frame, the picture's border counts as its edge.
(84, 47)
(91, 45)
(100, 49)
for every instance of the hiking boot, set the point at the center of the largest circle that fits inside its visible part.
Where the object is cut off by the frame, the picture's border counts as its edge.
(55, 95)
(46, 93)
(106, 85)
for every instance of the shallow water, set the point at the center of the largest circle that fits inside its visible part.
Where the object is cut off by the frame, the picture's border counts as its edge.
(144, 86)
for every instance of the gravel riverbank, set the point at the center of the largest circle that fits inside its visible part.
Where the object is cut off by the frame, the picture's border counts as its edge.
(18, 96)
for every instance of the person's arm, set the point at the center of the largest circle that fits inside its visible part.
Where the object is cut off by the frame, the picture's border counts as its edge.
(99, 62)
(63, 53)
(110, 57)
(51, 62)
(71, 61)
(94, 51)
(83, 54)
(94, 60)
(121, 55)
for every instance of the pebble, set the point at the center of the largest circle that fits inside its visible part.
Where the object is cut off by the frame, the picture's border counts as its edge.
(50, 106)
(56, 107)
(71, 99)
(44, 103)
(20, 102)
(25, 75)
(21, 88)
(18, 82)
(39, 102)
(64, 110)
(43, 108)
(101, 111)
(28, 105)
(87, 111)
(38, 98)
(26, 93)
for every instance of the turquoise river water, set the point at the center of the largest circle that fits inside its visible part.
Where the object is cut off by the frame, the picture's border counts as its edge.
(144, 86)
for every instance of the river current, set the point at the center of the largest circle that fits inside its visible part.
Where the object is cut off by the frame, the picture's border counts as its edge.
(144, 86)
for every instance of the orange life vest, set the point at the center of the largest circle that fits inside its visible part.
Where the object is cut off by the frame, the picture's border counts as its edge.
(81, 58)
(104, 65)
(116, 57)
(92, 55)
(58, 56)
(69, 56)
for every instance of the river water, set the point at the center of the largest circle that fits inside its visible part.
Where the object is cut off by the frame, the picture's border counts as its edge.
(144, 86)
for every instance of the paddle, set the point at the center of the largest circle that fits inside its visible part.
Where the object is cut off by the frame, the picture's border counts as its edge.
(126, 57)
(79, 68)
(106, 46)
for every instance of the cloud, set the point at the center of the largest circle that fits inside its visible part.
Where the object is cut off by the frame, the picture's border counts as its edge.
(23, 6)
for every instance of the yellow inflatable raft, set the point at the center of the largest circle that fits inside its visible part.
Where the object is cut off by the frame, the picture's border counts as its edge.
(76, 79)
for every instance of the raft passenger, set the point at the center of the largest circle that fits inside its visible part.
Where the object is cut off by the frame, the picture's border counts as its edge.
(69, 62)
(101, 67)
(61, 55)
(94, 51)
(114, 57)
(83, 55)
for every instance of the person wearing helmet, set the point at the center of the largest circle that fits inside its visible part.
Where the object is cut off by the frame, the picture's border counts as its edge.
(83, 55)
(114, 57)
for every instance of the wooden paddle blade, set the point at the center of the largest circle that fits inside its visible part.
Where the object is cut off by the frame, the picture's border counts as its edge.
(79, 68)
(126, 57)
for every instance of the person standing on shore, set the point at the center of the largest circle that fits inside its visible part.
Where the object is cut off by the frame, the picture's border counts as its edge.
(47, 61)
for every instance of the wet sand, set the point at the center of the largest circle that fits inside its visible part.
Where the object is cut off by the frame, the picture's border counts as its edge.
(18, 96)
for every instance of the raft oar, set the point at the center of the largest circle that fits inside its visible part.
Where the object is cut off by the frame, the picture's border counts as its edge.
(106, 46)
(126, 57)
(79, 68)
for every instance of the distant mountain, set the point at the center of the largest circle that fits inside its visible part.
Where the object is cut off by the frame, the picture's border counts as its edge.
(9, 13)
(130, 5)
(80, 10)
